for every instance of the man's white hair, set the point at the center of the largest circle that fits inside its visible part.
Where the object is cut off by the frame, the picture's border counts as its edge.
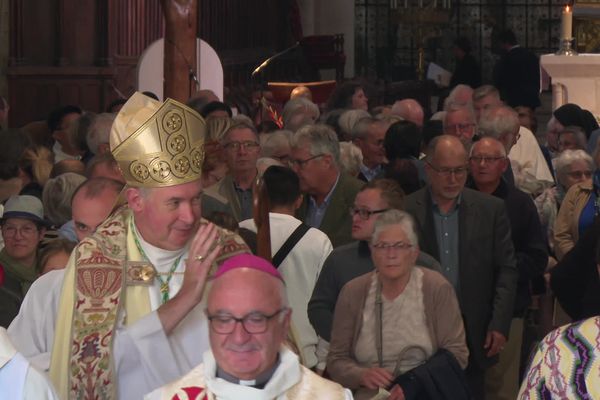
(350, 158)
(461, 94)
(456, 107)
(270, 143)
(498, 121)
(562, 163)
(484, 91)
(320, 138)
(350, 118)
(99, 131)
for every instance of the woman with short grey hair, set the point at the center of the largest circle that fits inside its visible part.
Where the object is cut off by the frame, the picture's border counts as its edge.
(580, 204)
(350, 158)
(395, 319)
(570, 167)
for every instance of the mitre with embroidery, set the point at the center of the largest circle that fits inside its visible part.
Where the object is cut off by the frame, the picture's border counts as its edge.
(158, 144)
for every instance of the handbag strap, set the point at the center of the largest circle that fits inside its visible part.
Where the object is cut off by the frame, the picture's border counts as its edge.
(378, 324)
(289, 244)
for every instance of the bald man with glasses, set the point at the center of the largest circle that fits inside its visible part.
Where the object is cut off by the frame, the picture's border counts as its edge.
(249, 317)
(469, 234)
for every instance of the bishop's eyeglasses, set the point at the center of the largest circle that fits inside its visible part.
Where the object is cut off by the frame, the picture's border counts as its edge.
(255, 322)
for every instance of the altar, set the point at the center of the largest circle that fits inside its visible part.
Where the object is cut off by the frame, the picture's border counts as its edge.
(575, 79)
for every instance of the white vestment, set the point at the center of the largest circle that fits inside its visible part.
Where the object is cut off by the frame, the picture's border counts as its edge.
(529, 166)
(290, 381)
(300, 270)
(18, 379)
(145, 358)
(32, 330)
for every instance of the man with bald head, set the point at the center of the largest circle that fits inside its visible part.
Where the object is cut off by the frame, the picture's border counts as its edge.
(92, 203)
(409, 110)
(301, 91)
(469, 233)
(487, 162)
(249, 321)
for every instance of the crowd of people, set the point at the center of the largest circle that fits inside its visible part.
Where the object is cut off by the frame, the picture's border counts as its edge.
(410, 253)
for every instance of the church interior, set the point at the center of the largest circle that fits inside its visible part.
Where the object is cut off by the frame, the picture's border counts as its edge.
(88, 52)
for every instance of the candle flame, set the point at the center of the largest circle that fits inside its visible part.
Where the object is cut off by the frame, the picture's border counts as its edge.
(567, 9)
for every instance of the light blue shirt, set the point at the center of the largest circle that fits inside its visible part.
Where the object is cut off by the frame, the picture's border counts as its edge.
(370, 173)
(315, 212)
(447, 231)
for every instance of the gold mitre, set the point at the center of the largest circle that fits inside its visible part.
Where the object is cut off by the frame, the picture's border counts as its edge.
(158, 144)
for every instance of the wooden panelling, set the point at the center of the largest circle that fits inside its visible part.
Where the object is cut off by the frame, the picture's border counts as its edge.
(98, 42)
(45, 88)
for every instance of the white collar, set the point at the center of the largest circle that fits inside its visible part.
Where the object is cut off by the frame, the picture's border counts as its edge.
(60, 155)
(161, 259)
(287, 374)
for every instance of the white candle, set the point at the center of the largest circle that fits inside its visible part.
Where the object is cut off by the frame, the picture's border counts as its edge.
(405, 3)
(420, 3)
(434, 3)
(567, 23)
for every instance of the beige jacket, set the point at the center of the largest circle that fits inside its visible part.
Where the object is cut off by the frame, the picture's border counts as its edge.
(566, 226)
(442, 314)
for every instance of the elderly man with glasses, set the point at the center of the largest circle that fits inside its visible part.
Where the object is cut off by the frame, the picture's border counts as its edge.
(487, 163)
(249, 321)
(469, 233)
(241, 150)
(460, 121)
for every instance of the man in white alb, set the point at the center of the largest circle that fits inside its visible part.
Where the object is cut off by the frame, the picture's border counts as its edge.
(249, 318)
(128, 317)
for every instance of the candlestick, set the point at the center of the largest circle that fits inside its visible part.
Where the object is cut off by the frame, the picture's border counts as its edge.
(567, 23)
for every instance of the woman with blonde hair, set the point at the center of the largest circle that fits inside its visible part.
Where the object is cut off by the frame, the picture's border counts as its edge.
(35, 166)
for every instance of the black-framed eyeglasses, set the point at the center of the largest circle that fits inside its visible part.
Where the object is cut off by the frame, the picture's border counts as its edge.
(255, 322)
(458, 172)
(479, 159)
(363, 213)
(247, 145)
(301, 163)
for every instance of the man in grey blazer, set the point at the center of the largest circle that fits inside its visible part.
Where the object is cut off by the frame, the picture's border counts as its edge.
(469, 233)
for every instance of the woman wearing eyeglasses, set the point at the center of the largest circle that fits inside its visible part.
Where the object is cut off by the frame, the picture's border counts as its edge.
(389, 323)
(580, 205)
